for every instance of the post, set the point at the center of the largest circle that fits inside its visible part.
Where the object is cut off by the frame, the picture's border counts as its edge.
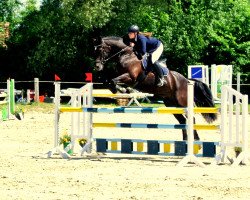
(8, 100)
(12, 96)
(223, 130)
(238, 82)
(36, 86)
(57, 104)
(244, 128)
(88, 117)
(190, 132)
(28, 96)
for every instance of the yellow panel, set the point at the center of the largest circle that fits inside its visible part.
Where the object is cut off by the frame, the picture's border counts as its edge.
(140, 146)
(107, 125)
(167, 148)
(205, 110)
(206, 127)
(171, 110)
(114, 146)
(105, 95)
(70, 109)
(197, 147)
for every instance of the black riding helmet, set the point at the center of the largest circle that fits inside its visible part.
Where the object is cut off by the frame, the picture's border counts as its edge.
(133, 29)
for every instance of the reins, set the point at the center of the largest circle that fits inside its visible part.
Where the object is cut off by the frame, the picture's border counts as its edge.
(107, 59)
(104, 61)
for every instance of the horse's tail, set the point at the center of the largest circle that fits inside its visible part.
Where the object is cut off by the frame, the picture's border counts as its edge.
(204, 98)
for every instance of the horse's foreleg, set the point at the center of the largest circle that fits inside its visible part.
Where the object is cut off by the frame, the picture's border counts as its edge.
(124, 78)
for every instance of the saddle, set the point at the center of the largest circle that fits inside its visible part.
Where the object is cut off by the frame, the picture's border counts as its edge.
(148, 66)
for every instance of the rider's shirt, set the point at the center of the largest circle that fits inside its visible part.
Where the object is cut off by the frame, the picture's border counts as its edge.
(145, 44)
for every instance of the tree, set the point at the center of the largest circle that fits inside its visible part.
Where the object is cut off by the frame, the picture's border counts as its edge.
(57, 38)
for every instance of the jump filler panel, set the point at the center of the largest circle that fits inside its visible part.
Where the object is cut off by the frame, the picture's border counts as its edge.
(154, 147)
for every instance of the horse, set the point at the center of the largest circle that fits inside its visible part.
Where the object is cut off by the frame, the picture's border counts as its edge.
(132, 74)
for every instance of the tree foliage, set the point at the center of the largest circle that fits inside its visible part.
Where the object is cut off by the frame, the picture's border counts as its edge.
(57, 38)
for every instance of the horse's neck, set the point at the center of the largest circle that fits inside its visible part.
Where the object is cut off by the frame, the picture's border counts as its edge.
(128, 56)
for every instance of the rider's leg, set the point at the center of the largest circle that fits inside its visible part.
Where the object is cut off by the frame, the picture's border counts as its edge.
(160, 76)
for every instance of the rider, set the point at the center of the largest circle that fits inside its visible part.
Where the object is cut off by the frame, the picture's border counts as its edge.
(147, 45)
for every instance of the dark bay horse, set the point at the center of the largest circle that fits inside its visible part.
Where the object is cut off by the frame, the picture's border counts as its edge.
(132, 74)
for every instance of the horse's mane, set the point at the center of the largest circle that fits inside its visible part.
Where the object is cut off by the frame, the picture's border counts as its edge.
(114, 40)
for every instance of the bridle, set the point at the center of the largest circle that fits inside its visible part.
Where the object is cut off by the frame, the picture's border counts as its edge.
(103, 61)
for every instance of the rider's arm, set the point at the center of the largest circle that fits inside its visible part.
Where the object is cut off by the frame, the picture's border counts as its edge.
(143, 48)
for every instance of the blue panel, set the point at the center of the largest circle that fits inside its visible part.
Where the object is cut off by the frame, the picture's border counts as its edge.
(125, 125)
(196, 72)
(101, 145)
(119, 110)
(126, 146)
(153, 147)
(152, 125)
(180, 126)
(90, 109)
(180, 148)
(147, 110)
(209, 149)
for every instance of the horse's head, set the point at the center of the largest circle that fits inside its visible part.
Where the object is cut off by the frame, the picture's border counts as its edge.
(109, 47)
(102, 52)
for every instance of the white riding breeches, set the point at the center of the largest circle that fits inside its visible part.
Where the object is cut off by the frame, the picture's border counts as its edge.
(157, 53)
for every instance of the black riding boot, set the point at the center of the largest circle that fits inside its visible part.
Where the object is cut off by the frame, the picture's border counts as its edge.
(159, 74)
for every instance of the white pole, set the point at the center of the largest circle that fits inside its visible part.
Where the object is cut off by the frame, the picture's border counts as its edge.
(28, 96)
(8, 93)
(57, 105)
(88, 117)
(238, 82)
(206, 72)
(36, 86)
(214, 81)
(244, 127)
(190, 119)
(224, 127)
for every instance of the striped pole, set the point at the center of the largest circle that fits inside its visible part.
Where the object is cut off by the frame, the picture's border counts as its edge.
(155, 126)
(170, 110)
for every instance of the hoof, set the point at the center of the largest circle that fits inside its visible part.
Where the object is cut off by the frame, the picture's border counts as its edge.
(122, 90)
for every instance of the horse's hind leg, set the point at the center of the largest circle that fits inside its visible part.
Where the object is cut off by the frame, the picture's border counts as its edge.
(196, 136)
(182, 120)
